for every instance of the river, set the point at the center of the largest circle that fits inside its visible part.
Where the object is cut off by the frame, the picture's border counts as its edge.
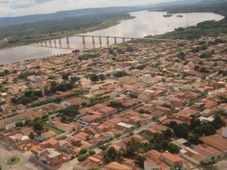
(145, 23)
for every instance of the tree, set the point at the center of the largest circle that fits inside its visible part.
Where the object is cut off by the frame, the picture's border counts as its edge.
(172, 148)
(218, 123)
(83, 157)
(131, 149)
(112, 155)
(94, 77)
(167, 134)
(93, 168)
(70, 111)
(38, 125)
(120, 74)
(208, 129)
(102, 77)
(28, 93)
(206, 54)
(83, 151)
(31, 135)
(45, 117)
(91, 152)
(28, 123)
(195, 123)
(19, 124)
(181, 55)
(181, 131)
(193, 138)
(140, 161)
(65, 76)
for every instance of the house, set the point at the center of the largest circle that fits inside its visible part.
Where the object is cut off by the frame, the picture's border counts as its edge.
(48, 135)
(65, 146)
(216, 141)
(116, 166)
(92, 161)
(149, 164)
(48, 156)
(207, 153)
(171, 159)
(155, 161)
(50, 143)
(156, 128)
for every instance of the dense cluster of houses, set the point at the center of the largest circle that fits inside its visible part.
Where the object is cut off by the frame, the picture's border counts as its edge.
(144, 88)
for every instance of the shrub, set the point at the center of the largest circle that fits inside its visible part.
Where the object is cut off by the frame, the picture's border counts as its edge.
(206, 54)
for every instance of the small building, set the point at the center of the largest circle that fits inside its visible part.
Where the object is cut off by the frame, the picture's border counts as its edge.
(117, 166)
(172, 160)
(48, 156)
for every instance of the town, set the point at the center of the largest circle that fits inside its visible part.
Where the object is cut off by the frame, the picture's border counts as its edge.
(153, 105)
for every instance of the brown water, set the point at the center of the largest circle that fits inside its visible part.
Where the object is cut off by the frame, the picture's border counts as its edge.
(145, 23)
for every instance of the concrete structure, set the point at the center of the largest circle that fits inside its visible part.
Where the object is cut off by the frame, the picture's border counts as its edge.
(224, 132)
(43, 43)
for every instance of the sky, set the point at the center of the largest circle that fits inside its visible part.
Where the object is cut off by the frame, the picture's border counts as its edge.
(10, 8)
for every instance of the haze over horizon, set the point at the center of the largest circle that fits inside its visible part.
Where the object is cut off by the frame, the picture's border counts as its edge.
(11, 8)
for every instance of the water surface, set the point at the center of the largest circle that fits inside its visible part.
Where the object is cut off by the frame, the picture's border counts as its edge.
(145, 23)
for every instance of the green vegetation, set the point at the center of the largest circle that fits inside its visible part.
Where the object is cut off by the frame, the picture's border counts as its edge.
(208, 164)
(120, 74)
(133, 95)
(204, 29)
(38, 125)
(84, 154)
(180, 55)
(97, 77)
(93, 168)
(46, 101)
(223, 98)
(13, 160)
(112, 155)
(65, 76)
(4, 73)
(206, 54)
(53, 129)
(88, 56)
(160, 142)
(54, 87)
(19, 124)
(70, 111)
(28, 33)
(26, 74)
(29, 96)
(196, 129)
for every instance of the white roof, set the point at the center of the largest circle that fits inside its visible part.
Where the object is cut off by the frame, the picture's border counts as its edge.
(125, 125)
(24, 138)
(52, 153)
(210, 119)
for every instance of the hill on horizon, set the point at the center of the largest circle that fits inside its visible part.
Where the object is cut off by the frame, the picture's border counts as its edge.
(9, 21)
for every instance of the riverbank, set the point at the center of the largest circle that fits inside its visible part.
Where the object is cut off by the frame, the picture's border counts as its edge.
(205, 29)
(20, 40)
(144, 22)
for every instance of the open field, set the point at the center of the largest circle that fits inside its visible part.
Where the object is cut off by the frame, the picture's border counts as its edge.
(21, 163)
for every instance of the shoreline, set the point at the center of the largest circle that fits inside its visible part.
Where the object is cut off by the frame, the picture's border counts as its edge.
(104, 25)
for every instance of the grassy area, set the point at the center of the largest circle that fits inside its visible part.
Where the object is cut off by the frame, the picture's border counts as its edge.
(13, 160)
(53, 129)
